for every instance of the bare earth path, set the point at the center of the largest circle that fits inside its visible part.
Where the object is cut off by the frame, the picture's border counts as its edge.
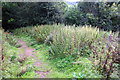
(29, 52)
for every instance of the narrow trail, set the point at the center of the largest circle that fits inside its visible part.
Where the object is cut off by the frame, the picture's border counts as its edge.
(29, 52)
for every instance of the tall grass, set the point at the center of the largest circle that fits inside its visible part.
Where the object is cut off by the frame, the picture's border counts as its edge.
(66, 40)
(8, 55)
(40, 33)
(71, 40)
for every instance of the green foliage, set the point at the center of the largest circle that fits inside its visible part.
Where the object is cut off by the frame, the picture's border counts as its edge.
(29, 75)
(11, 39)
(39, 33)
(73, 41)
(103, 15)
(69, 44)
(9, 61)
(8, 37)
(71, 68)
(10, 56)
(62, 63)
(62, 67)
(66, 40)
(27, 14)
(65, 67)
(107, 45)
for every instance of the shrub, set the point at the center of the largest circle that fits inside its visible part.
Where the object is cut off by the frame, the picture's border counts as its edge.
(9, 37)
(11, 40)
(64, 40)
(39, 33)
(106, 54)
(25, 14)
(73, 41)
(9, 57)
(79, 41)
(9, 61)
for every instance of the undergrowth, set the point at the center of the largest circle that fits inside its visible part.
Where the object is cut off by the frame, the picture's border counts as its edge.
(11, 67)
(70, 43)
(64, 67)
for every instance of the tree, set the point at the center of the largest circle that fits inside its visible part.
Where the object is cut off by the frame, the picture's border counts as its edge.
(27, 14)
(103, 15)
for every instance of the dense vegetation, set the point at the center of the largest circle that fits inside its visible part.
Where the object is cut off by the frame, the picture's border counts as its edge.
(68, 38)
(103, 15)
(72, 44)
(34, 13)
(10, 59)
